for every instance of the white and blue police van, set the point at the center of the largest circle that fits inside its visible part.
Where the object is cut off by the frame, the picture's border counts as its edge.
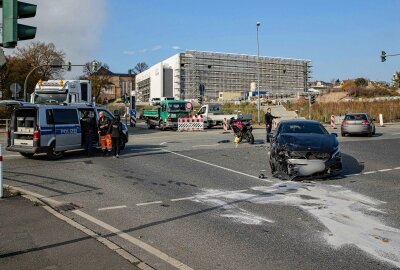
(50, 129)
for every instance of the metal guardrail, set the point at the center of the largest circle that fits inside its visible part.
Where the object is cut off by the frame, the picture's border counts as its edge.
(4, 124)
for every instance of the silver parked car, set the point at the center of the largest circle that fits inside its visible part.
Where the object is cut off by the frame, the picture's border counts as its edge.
(358, 123)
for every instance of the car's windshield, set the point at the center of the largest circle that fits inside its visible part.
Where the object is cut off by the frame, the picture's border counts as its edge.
(355, 117)
(50, 98)
(302, 128)
(174, 107)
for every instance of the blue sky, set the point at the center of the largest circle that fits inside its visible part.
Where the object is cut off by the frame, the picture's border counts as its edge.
(343, 39)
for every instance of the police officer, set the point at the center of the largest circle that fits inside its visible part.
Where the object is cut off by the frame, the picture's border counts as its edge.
(88, 125)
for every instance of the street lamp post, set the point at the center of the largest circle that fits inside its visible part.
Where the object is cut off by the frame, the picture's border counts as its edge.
(258, 76)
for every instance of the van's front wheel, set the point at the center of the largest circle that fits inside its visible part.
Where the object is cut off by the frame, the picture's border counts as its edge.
(52, 154)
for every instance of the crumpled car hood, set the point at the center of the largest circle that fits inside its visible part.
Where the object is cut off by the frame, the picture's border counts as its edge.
(308, 142)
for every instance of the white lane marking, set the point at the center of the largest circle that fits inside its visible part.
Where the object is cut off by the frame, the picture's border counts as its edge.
(217, 166)
(369, 172)
(205, 145)
(354, 174)
(396, 134)
(385, 170)
(182, 199)
(397, 168)
(208, 195)
(112, 207)
(148, 203)
(163, 143)
(6, 156)
(174, 262)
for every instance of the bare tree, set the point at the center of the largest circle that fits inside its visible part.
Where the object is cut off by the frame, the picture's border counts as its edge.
(100, 79)
(19, 65)
(39, 53)
(140, 67)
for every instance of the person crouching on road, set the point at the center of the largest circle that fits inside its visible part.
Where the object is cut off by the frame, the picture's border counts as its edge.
(116, 131)
(105, 137)
(88, 125)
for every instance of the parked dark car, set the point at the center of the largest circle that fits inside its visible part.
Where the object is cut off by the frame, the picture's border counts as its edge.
(358, 124)
(304, 148)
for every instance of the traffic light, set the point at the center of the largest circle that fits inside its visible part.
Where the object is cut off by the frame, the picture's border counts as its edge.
(12, 30)
(69, 66)
(383, 56)
(312, 101)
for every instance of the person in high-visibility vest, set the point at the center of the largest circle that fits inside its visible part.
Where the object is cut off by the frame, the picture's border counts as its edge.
(105, 137)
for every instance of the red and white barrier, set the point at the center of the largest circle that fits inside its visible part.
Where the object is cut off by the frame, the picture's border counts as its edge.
(193, 123)
(225, 126)
(332, 121)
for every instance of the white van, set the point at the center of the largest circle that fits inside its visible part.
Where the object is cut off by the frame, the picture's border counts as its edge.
(50, 129)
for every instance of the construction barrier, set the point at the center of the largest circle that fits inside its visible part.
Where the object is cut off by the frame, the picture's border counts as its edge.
(225, 126)
(332, 121)
(193, 123)
(133, 118)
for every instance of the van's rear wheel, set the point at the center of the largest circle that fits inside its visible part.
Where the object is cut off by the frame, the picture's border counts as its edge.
(27, 155)
(52, 154)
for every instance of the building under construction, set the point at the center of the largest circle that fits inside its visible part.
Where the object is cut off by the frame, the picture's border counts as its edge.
(215, 75)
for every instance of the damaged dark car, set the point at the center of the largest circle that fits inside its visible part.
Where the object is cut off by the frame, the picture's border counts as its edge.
(304, 149)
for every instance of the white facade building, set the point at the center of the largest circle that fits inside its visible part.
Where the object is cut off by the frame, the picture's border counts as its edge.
(187, 75)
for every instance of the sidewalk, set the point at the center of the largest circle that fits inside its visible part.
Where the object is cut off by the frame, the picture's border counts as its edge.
(32, 238)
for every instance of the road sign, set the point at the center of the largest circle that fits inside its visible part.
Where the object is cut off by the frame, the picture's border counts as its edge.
(15, 88)
(189, 106)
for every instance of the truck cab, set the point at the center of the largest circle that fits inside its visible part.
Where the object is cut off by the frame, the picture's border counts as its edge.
(166, 115)
(62, 92)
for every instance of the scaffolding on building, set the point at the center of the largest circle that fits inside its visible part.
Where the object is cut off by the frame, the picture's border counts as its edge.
(224, 72)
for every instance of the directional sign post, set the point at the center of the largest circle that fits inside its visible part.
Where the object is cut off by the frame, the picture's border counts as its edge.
(15, 88)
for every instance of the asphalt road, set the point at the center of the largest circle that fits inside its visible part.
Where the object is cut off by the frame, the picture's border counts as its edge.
(194, 200)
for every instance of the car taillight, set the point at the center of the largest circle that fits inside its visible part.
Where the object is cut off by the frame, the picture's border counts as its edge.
(365, 123)
(169, 117)
(345, 123)
(36, 135)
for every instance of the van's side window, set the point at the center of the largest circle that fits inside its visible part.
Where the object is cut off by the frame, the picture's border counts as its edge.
(65, 116)
(49, 117)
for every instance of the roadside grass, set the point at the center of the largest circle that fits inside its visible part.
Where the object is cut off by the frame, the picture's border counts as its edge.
(390, 109)
(244, 108)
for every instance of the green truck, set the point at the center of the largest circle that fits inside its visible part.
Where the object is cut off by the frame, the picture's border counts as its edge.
(166, 115)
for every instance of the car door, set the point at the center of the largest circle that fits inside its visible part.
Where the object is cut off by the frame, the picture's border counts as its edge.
(67, 129)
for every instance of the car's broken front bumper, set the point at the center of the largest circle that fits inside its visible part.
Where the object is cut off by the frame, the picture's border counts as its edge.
(307, 167)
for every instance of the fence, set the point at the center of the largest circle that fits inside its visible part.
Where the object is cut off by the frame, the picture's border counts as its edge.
(193, 123)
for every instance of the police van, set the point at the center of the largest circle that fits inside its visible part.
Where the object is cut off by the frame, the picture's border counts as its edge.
(50, 129)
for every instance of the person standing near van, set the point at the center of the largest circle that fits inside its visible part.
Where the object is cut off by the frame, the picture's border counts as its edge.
(105, 138)
(88, 125)
(116, 131)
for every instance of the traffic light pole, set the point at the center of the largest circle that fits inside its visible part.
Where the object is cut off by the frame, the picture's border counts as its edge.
(309, 106)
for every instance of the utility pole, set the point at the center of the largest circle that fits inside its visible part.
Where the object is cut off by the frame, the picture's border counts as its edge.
(258, 76)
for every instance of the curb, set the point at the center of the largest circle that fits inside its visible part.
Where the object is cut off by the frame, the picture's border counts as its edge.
(52, 206)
